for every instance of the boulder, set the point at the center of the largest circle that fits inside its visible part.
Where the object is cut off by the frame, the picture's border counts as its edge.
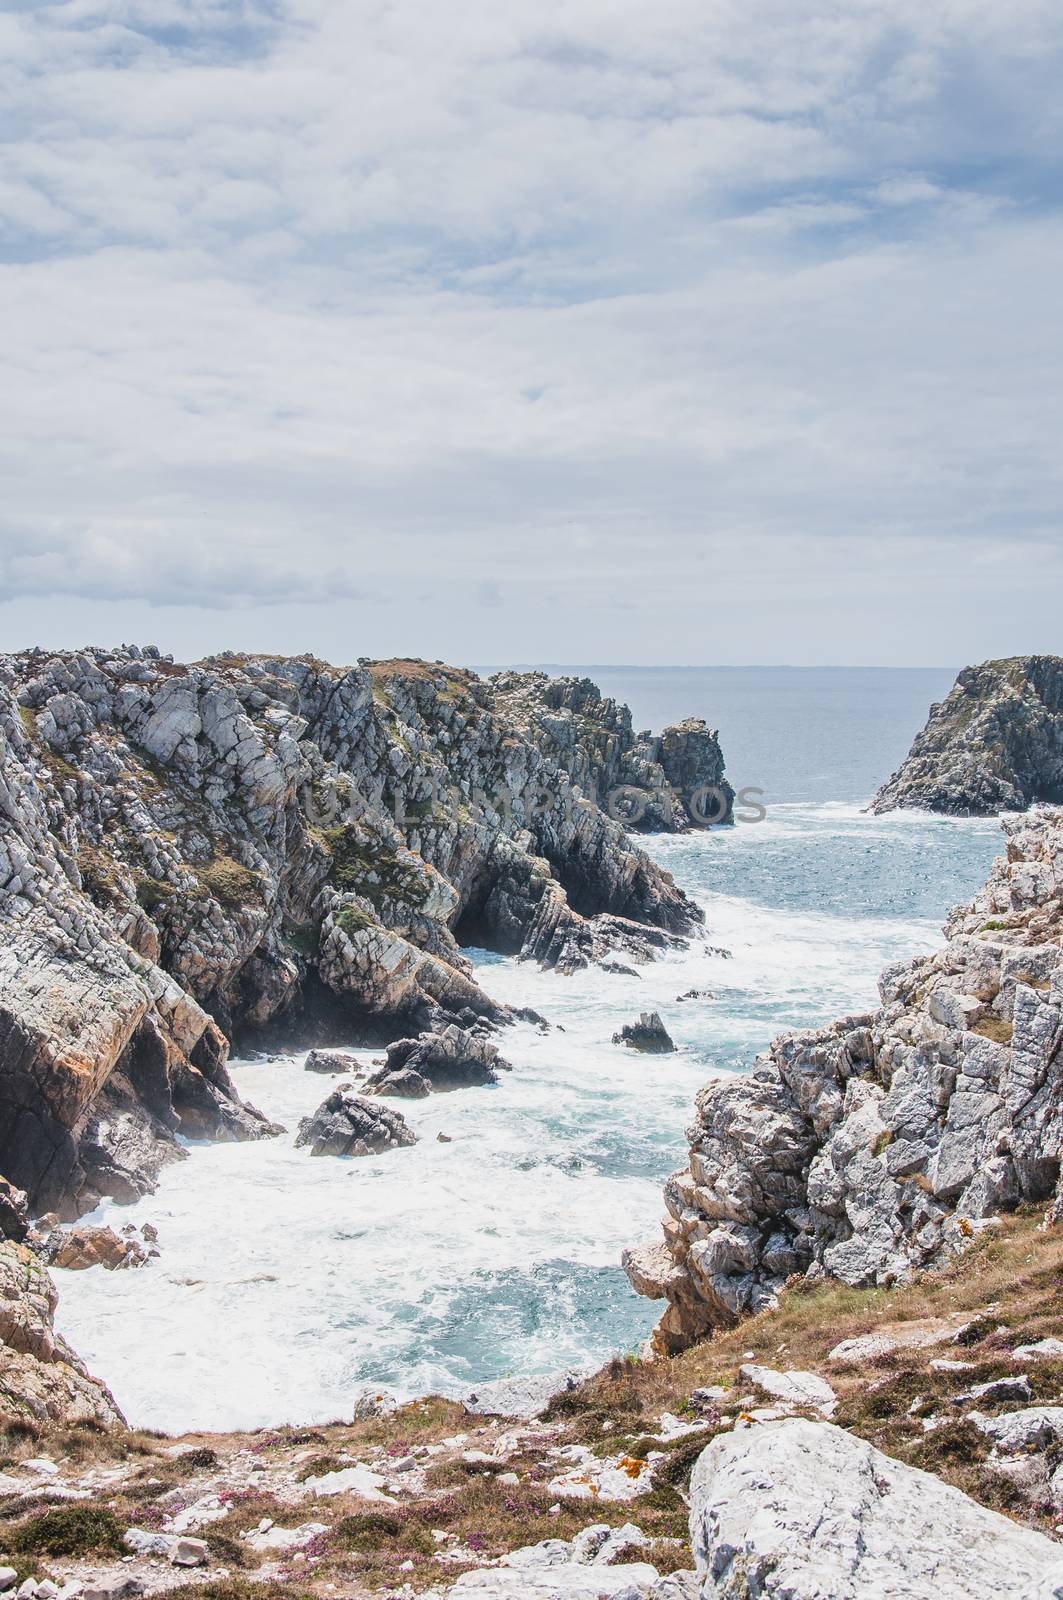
(801, 1510)
(347, 1124)
(648, 1034)
(335, 1062)
(794, 1388)
(84, 1246)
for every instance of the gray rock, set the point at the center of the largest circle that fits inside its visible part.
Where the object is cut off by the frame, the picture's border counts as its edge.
(118, 1586)
(524, 1397)
(334, 1062)
(802, 1510)
(347, 1124)
(186, 1552)
(1032, 1428)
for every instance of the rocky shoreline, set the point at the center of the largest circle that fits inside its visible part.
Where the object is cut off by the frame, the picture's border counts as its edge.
(254, 847)
(883, 1143)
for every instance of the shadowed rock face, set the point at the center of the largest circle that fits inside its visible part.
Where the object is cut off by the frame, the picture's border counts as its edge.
(191, 852)
(880, 1144)
(994, 744)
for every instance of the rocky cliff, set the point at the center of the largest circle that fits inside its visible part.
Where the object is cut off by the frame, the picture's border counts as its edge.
(882, 1143)
(994, 744)
(192, 852)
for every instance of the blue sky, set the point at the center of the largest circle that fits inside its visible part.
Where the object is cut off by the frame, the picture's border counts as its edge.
(713, 331)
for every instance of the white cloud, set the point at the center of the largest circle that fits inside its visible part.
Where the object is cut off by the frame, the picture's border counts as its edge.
(309, 300)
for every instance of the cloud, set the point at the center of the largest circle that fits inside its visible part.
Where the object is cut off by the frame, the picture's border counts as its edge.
(309, 302)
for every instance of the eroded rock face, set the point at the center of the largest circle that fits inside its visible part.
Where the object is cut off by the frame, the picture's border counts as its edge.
(803, 1510)
(882, 1143)
(347, 1124)
(85, 1247)
(40, 1376)
(188, 852)
(994, 744)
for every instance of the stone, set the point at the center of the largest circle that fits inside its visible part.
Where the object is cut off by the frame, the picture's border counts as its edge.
(7, 1577)
(994, 744)
(186, 1552)
(794, 1388)
(695, 994)
(996, 1390)
(802, 1510)
(522, 1397)
(1032, 1428)
(146, 1542)
(347, 1124)
(648, 1034)
(118, 1586)
(1042, 1350)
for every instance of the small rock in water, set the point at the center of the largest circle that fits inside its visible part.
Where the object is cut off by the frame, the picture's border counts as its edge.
(444, 1138)
(336, 1062)
(347, 1124)
(648, 1034)
(696, 994)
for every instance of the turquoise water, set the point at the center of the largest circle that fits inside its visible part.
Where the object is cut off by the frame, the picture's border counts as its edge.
(441, 1266)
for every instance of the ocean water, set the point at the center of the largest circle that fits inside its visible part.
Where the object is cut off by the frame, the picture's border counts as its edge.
(287, 1284)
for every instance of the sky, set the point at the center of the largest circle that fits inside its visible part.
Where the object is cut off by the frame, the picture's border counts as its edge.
(706, 331)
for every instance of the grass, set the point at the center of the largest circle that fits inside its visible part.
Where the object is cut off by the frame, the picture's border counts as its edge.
(233, 886)
(994, 1028)
(371, 868)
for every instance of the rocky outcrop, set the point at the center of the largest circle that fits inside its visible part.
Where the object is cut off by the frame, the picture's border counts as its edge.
(882, 1143)
(188, 853)
(82, 1247)
(41, 1379)
(648, 1034)
(802, 1510)
(994, 744)
(674, 780)
(455, 1058)
(346, 1124)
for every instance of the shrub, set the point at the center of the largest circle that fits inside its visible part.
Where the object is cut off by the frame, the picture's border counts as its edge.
(70, 1531)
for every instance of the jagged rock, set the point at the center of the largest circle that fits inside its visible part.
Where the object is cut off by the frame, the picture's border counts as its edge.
(85, 1246)
(450, 1059)
(648, 1034)
(802, 1510)
(674, 781)
(695, 994)
(191, 851)
(334, 1062)
(883, 1143)
(347, 1124)
(1032, 1428)
(994, 744)
(40, 1376)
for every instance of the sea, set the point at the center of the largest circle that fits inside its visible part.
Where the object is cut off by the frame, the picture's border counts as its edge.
(287, 1285)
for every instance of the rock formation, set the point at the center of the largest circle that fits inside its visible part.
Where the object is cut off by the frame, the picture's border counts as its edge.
(678, 774)
(802, 1510)
(191, 852)
(41, 1379)
(346, 1124)
(994, 744)
(648, 1034)
(451, 1059)
(882, 1143)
